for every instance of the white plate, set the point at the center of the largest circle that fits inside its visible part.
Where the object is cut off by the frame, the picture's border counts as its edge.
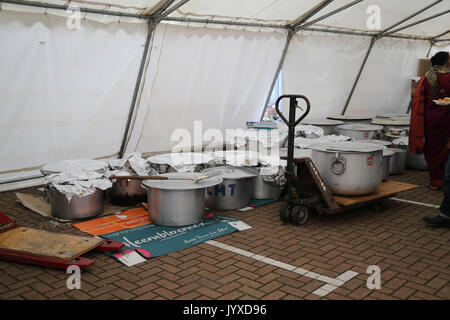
(441, 103)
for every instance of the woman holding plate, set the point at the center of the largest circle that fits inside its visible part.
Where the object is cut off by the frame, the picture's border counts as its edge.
(430, 122)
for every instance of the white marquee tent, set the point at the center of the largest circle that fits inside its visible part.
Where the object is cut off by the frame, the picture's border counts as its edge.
(100, 78)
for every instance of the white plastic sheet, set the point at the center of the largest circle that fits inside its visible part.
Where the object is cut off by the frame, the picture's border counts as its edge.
(218, 77)
(385, 84)
(323, 68)
(63, 93)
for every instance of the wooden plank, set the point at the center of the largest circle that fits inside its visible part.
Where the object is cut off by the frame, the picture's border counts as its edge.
(386, 189)
(43, 243)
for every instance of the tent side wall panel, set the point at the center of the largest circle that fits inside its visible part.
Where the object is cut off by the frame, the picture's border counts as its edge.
(64, 93)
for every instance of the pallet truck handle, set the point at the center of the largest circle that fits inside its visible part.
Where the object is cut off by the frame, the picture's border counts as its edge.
(292, 97)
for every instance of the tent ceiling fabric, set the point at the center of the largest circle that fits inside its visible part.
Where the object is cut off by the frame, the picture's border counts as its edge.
(284, 12)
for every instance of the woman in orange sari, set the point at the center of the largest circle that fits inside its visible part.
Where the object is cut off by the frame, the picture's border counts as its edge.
(430, 123)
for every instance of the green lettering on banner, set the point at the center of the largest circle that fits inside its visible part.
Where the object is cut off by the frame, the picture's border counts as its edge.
(160, 240)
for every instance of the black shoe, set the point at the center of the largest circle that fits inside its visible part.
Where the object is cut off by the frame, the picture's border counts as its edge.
(437, 221)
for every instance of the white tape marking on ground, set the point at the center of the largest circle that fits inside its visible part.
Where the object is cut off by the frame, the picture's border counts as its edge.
(330, 283)
(415, 202)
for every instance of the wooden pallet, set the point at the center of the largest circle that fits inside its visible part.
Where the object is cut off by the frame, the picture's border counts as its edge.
(386, 189)
(43, 243)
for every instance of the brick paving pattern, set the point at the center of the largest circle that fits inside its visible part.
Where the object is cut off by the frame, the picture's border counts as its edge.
(414, 260)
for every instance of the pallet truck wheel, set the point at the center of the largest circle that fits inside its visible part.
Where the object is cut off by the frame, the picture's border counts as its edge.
(300, 215)
(285, 212)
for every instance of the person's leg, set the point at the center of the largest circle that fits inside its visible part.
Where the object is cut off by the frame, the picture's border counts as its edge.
(443, 219)
(445, 206)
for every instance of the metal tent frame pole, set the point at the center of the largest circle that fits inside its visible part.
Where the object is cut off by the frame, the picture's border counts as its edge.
(150, 30)
(372, 42)
(82, 9)
(152, 23)
(384, 33)
(311, 13)
(280, 65)
(332, 13)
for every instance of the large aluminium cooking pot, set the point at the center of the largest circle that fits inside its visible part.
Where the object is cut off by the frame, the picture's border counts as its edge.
(262, 189)
(349, 168)
(234, 192)
(359, 131)
(386, 167)
(177, 202)
(78, 207)
(413, 161)
(328, 126)
(127, 192)
(398, 161)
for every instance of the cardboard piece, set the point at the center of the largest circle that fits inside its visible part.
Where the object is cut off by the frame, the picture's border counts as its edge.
(423, 67)
(123, 220)
(41, 206)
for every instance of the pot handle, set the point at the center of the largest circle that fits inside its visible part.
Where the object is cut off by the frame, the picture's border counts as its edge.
(337, 165)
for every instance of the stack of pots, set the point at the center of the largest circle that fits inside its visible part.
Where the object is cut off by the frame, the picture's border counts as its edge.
(328, 126)
(349, 168)
(359, 131)
(234, 192)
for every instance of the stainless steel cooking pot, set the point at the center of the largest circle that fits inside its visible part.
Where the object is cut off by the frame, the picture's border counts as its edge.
(262, 189)
(413, 161)
(398, 161)
(386, 166)
(78, 207)
(127, 192)
(349, 168)
(328, 126)
(359, 131)
(177, 202)
(234, 192)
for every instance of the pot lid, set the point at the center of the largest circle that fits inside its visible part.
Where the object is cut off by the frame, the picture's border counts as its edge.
(346, 146)
(401, 141)
(179, 184)
(360, 127)
(380, 142)
(351, 117)
(391, 121)
(73, 165)
(230, 172)
(387, 153)
(392, 115)
(323, 122)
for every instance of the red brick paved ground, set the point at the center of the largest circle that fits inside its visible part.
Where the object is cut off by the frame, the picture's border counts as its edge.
(414, 259)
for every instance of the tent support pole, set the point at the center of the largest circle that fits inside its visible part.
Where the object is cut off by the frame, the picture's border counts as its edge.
(372, 42)
(432, 42)
(408, 18)
(332, 13)
(311, 13)
(280, 65)
(151, 27)
(67, 6)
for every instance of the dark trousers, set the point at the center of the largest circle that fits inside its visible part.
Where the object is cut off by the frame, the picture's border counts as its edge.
(445, 206)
